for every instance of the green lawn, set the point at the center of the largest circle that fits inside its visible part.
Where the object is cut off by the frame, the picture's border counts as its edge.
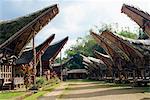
(13, 95)
(10, 95)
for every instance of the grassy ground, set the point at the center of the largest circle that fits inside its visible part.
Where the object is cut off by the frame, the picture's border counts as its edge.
(10, 95)
(14, 95)
(42, 92)
(48, 86)
(94, 90)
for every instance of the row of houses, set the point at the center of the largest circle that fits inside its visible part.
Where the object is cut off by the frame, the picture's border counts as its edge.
(15, 35)
(125, 59)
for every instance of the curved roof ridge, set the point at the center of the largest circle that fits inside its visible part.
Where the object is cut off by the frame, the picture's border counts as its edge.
(20, 32)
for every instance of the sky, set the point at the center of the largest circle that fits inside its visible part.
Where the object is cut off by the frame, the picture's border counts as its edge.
(76, 17)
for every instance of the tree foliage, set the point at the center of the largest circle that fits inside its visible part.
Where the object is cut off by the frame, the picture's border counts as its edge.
(76, 62)
(128, 34)
(142, 35)
(84, 46)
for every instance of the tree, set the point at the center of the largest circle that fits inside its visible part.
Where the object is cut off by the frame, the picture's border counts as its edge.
(76, 62)
(86, 46)
(142, 35)
(128, 34)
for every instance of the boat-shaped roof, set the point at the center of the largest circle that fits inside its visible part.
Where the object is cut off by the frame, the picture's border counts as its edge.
(16, 34)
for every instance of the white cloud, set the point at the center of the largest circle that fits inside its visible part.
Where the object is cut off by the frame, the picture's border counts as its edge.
(76, 17)
(73, 17)
(68, 45)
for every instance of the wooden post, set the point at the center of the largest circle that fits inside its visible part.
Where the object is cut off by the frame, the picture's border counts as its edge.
(145, 74)
(61, 77)
(5, 74)
(13, 76)
(134, 75)
(34, 63)
(0, 71)
(40, 65)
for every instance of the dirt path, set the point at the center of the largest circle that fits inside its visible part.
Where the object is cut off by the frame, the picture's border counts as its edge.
(55, 93)
(94, 91)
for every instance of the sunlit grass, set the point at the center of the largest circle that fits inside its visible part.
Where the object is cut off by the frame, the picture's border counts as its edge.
(10, 95)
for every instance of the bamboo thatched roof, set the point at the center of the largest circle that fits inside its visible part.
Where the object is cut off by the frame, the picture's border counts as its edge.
(140, 17)
(125, 46)
(53, 50)
(119, 58)
(16, 34)
(105, 58)
(136, 50)
(111, 49)
(141, 45)
(96, 60)
(93, 63)
(104, 55)
(119, 42)
(58, 65)
(85, 59)
(27, 56)
(9, 28)
(88, 62)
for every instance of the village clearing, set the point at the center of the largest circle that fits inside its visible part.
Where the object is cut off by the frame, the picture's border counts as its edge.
(95, 90)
